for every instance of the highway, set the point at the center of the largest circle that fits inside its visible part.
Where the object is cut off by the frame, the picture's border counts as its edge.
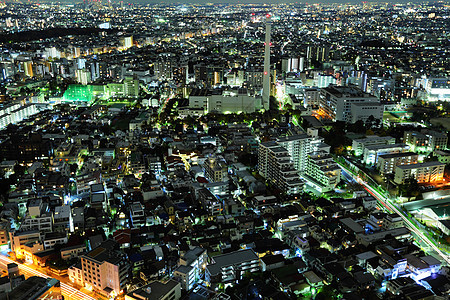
(388, 204)
(69, 292)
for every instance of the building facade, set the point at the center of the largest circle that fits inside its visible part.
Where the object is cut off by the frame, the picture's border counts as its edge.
(432, 171)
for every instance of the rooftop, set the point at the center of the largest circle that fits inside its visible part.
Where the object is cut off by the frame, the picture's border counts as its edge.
(229, 259)
(155, 290)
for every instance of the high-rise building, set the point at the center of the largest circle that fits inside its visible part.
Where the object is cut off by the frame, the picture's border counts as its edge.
(310, 157)
(131, 87)
(266, 79)
(83, 76)
(276, 166)
(128, 42)
(28, 68)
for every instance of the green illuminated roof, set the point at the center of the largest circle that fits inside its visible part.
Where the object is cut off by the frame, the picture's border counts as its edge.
(78, 93)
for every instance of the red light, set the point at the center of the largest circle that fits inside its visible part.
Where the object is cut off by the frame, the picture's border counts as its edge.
(270, 44)
(267, 16)
(265, 73)
(253, 14)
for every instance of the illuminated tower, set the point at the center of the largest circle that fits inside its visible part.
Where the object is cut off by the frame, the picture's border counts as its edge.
(266, 77)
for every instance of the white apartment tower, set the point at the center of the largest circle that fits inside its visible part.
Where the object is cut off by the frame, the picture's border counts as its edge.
(276, 166)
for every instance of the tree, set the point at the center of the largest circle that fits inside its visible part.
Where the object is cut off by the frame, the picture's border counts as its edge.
(410, 188)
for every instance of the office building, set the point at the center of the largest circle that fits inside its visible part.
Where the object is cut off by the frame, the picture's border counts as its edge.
(364, 111)
(336, 102)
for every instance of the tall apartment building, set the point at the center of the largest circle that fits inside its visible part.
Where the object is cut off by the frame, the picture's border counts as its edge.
(105, 269)
(311, 97)
(310, 156)
(432, 171)
(298, 147)
(387, 162)
(276, 166)
(336, 103)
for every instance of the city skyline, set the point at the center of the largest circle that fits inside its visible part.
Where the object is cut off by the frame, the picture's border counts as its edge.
(224, 151)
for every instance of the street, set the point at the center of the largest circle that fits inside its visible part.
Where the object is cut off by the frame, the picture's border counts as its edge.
(69, 292)
(388, 204)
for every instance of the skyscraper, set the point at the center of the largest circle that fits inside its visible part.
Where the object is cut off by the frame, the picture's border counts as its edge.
(266, 79)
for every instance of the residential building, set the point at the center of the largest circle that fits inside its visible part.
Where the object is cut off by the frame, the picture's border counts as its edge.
(62, 218)
(216, 169)
(38, 217)
(157, 290)
(387, 162)
(401, 233)
(358, 145)
(185, 275)
(426, 140)
(432, 171)
(50, 239)
(371, 153)
(416, 140)
(137, 214)
(105, 269)
(392, 221)
(19, 238)
(276, 166)
(322, 172)
(311, 97)
(72, 251)
(299, 146)
(231, 266)
(191, 267)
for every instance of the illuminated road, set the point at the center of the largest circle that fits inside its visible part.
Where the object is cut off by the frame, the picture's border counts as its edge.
(388, 204)
(68, 291)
